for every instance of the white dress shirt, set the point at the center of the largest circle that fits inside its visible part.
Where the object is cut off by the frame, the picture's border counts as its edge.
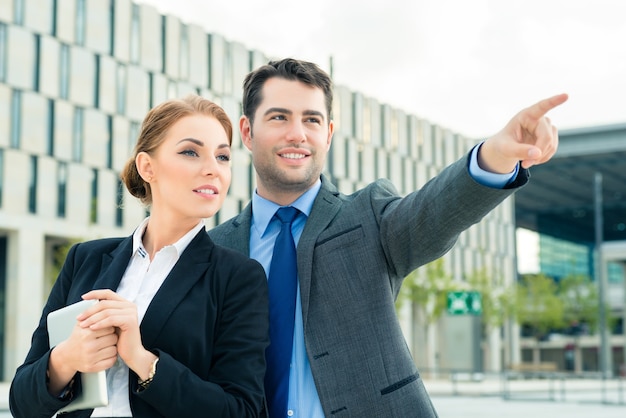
(140, 283)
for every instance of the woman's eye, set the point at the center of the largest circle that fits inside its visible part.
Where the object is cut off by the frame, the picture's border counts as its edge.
(189, 152)
(223, 157)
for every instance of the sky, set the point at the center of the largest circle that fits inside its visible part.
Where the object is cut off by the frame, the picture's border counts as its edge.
(466, 65)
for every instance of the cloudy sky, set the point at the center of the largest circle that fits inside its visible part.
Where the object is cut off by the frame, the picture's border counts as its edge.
(467, 65)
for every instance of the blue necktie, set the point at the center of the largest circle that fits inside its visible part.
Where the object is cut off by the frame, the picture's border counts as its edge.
(282, 284)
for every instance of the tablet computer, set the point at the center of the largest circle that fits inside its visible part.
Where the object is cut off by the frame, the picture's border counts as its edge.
(60, 325)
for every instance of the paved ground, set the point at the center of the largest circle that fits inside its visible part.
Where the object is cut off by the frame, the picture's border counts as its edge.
(492, 407)
(541, 398)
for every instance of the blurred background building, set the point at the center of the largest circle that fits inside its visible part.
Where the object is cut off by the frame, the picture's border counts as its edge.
(76, 79)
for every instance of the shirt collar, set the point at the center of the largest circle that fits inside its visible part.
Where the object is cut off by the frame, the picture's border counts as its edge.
(179, 245)
(264, 210)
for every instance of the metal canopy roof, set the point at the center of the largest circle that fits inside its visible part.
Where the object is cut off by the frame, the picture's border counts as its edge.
(559, 199)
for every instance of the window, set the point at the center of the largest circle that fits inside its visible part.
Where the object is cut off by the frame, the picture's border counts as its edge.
(3, 52)
(184, 53)
(120, 86)
(50, 133)
(77, 135)
(37, 63)
(18, 12)
(163, 45)
(1, 174)
(80, 22)
(109, 158)
(96, 83)
(61, 189)
(53, 16)
(134, 134)
(16, 117)
(135, 35)
(64, 71)
(32, 185)
(93, 215)
(119, 212)
(112, 27)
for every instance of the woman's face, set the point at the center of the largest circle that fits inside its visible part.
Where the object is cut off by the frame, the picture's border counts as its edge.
(189, 173)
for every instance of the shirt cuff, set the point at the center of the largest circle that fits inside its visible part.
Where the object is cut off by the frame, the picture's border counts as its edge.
(487, 178)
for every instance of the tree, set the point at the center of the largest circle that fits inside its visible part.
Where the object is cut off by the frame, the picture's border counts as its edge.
(538, 305)
(428, 287)
(580, 301)
(497, 300)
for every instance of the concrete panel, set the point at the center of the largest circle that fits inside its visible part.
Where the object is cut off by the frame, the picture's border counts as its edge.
(21, 56)
(34, 123)
(49, 74)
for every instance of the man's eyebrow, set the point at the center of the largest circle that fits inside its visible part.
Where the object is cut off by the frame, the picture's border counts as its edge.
(277, 110)
(314, 113)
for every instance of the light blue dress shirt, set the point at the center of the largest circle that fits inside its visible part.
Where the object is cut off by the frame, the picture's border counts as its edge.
(304, 400)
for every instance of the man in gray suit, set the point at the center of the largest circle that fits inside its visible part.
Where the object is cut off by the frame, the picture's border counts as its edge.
(350, 358)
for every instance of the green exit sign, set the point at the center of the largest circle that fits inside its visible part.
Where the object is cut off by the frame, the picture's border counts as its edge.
(464, 303)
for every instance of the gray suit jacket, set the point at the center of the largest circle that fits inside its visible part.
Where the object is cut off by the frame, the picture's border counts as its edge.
(353, 255)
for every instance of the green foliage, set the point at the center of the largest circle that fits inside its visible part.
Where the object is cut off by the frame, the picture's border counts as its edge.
(581, 302)
(538, 305)
(498, 301)
(59, 253)
(428, 288)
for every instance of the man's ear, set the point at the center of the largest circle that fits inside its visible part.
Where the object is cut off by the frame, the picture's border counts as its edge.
(331, 129)
(144, 166)
(245, 129)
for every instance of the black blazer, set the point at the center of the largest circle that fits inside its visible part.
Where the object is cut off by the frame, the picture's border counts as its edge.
(208, 323)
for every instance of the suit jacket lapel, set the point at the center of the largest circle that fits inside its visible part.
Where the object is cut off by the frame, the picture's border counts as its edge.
(238, 238)
(114, 265)
(189, 268)
(325, 208)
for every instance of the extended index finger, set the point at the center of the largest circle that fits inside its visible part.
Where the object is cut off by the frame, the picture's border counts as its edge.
(539, 109)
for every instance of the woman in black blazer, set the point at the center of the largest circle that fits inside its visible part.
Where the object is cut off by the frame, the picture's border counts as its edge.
(181, 325)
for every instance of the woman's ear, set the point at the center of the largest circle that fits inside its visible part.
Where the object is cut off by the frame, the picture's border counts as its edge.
(144, 166)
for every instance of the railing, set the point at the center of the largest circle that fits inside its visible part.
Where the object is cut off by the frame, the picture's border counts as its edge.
(526, 383)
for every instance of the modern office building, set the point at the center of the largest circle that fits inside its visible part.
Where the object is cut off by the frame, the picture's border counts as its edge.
(577, 206)
(76, 79)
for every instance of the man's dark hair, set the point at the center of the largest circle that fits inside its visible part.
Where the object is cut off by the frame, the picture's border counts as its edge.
(289, 69)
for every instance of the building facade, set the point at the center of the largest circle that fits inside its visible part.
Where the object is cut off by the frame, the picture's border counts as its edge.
(77, 78)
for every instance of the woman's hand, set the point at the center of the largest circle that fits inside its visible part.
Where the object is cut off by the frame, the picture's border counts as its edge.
(113, 310)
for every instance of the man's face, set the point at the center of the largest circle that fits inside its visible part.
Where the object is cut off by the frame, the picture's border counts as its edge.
(289, 139)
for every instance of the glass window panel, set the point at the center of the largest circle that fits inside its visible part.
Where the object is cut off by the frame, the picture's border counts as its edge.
(94, 197)
(32, 185)
(119, 212)
(96, 84)
(64, 73)
(61, 189)
(37, 63)
(1, 174)
(134, 35)
(109, 159)
(77, 135)
(121, 89)
(18, 11)
(80, 22)
(184, 53)
(16, 117)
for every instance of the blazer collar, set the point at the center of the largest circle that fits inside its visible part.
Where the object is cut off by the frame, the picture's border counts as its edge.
(190, 267)
(326, 206)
